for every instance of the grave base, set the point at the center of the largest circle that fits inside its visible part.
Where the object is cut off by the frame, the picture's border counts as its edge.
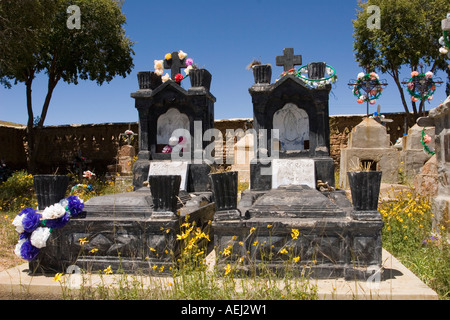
(120, 232)
(330, 242)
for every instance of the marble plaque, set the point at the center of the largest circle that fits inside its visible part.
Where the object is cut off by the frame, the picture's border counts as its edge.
(170, 168)
(293, 171)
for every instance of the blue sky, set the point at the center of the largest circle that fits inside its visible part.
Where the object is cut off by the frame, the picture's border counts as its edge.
(223, 37)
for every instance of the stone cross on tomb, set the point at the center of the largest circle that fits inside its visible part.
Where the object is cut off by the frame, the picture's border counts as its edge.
(288, 60)
(175, 64)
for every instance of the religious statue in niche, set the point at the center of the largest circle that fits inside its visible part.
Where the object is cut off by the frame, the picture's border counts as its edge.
(167, 124)
(293, 125)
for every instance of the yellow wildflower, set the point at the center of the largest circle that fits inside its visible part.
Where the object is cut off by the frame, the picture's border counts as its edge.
(252, 229)
(255, 243)
(83, 241)
(296, 259)
(108, 270)
(93, 250)
(227, 269)
(295, 233)
(57, 277)
(283, 251)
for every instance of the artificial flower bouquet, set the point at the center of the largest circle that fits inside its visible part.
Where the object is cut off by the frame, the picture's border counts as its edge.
(35, 228)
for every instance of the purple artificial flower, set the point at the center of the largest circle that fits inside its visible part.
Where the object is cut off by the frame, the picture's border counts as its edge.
(189, 62)
(31, 220)
(28, 251)
(75, 206)
(58, 223)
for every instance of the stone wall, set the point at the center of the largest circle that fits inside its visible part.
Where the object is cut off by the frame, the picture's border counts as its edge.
(99, 143)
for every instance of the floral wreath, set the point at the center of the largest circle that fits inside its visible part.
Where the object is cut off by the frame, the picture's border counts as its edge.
(159, 67)
(35, 228)
(329, 79)
(425, 140)
(426, 78)
(445, 43)
(373, 94)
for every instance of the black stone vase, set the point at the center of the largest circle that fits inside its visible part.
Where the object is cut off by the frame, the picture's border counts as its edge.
(148, 80)
(50, 189)
(365, 189)
(225, 189)
(165, 190)
(316, 70)
(262, 73)
(200, 78)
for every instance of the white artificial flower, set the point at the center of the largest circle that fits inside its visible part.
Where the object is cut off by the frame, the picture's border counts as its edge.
(18, 247)
(361, 75)
(17, 222)
(442, 41)
(159, 64)
(39, 237)
(182, 55)
(429, 74)
(55, 211)
(159, 72)
(165, 77)
(329, 71)
(443, 50)
(188, 69)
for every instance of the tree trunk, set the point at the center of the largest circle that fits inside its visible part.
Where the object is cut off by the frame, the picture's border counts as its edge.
(30, 134)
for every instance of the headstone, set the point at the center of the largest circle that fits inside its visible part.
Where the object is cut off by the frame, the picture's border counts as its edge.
(413, 156)
(296, 172)
(167, 168)
(439, 117)
(369, 144)
(169, 111)
(287, 208)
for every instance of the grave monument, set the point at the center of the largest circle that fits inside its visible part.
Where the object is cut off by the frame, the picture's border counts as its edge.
(284, 218)
(137, 230)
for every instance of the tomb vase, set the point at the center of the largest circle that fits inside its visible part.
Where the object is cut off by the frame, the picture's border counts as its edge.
(148, 80)
(165, 191)
(365, 189)
(225, 189)
(262, 73)
(50, 189)
(200, 78)
(316, 70)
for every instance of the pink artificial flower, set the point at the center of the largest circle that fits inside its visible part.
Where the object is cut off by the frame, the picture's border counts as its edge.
(189, 62)
(410, 85)
(414, 74)
(427, 139)
(167, 149)
(373, 101)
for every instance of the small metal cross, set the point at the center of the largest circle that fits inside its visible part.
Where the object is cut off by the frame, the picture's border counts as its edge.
(288, 60)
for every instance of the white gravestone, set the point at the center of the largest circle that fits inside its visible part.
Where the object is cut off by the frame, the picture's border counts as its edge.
(293, 124)
(170, 168)
(293, 171)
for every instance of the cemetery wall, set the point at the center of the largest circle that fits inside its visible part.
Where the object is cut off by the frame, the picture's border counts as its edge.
(99, 143)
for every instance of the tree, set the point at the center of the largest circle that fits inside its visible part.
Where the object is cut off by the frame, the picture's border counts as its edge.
(34, 38)
(409, 35)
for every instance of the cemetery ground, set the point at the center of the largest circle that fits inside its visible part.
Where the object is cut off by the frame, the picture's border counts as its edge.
(407, 235)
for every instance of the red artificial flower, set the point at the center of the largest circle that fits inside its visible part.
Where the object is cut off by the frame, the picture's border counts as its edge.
(178, 78)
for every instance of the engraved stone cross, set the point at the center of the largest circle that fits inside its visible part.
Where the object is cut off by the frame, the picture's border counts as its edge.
(288, 60)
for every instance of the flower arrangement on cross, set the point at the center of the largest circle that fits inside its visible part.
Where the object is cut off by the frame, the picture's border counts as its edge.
(174, 61)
